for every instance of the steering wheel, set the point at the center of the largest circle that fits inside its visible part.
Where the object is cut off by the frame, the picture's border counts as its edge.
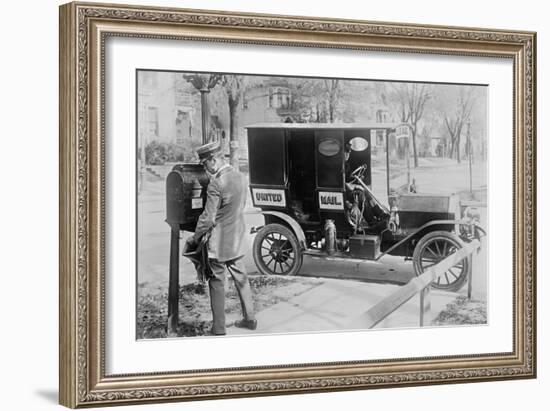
(359, 172)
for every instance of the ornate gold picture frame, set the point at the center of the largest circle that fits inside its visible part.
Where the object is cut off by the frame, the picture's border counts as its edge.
(85, 29)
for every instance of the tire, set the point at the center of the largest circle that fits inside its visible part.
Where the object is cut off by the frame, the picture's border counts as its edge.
(434, 247)
(276, 251)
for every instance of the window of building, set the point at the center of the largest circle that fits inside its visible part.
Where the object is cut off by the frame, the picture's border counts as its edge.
(380, 137)
(279, 97)
(153, 121)
(382, 116)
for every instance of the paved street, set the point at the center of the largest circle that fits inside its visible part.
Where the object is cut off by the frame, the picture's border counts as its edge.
(435, 176)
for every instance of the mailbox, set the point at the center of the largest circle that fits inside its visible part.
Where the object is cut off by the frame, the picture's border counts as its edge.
(185, 199)
(185, 195)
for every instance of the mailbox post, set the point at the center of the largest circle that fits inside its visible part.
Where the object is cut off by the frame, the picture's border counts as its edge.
(185, 195)
(173, 282)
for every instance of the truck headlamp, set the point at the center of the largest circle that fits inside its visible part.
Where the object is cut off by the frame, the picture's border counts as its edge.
(471, 215)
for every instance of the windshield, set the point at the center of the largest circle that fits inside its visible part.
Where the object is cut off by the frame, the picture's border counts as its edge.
(390, 162)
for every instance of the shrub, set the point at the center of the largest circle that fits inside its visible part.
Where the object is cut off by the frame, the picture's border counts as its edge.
(157, 153)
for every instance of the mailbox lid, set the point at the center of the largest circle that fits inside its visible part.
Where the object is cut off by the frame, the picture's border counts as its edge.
(185, 194)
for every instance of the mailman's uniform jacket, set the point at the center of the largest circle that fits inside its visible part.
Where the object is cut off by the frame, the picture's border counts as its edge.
(223, 212)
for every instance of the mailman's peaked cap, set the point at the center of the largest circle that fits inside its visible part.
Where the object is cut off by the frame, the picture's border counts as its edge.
(208, 150)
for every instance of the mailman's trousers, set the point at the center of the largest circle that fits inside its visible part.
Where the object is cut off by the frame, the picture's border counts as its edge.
(217, 291)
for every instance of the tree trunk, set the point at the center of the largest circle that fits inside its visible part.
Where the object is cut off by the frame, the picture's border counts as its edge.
(317, 120)
(451, 151)
(331, 110)
(233, 134)
(414, 147)
(458, 148)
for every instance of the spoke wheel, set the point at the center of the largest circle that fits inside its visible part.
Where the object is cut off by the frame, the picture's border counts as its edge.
(276, 251)
(433, 248)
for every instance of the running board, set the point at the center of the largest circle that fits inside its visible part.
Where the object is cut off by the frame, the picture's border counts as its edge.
(337, 256)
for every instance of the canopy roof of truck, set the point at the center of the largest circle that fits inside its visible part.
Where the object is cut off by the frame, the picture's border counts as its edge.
(326, 126)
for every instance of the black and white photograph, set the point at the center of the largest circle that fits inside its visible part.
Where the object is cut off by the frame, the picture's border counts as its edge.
(277, 204)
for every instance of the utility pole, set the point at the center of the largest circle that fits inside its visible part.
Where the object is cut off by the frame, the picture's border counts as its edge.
(469, 154)
(408, 163)
(203, 83)
(387, 135)
(204, 113)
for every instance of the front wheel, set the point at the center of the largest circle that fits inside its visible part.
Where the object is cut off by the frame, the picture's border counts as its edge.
(433, 248)
(276, 251)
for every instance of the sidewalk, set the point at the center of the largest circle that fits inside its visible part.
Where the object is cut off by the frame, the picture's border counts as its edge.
(335, 305)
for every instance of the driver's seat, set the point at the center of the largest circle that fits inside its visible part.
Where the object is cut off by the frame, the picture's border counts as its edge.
(363, 212)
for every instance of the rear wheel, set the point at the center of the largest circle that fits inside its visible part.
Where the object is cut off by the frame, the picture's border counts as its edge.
(276, 251)
(433, 248)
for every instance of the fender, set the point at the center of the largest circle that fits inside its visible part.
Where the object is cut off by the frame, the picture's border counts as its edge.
(451, 223)
(293, 225)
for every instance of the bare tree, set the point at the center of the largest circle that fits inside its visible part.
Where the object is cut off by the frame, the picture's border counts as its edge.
(326, 100)
(308, 99)
(203, 83)
(333, 91)
(457, 117)
(411, 102)
(234, 86)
